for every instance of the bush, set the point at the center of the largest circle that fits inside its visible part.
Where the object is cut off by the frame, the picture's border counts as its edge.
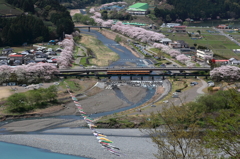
(118, 39)
(24, 102)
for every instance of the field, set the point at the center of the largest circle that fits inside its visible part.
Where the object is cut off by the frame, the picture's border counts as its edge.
(6, 9)
(220, 44)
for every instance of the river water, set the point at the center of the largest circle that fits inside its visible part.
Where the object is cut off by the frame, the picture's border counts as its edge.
(13, 151)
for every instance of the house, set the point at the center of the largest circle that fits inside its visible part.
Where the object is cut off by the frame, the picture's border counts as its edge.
(180, 29)
(165, 41)
(203, 53)
(234, 61)
(14, 57)
(223, 26)
(3, 62)
(29, 58)
(7, 51)
(175, 44)
(138, 9)
(171, 25)
(40, 59)
(188, 52)
(2, 58)
(183, 44)
(179, 44)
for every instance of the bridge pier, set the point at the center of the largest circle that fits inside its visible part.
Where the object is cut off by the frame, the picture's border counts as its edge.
(195, 77)
(206, 77)
(88, 29)
(141, 78)
(152, 78)
(130, 77)
(119, 78)
(163, 77)
(109, 77)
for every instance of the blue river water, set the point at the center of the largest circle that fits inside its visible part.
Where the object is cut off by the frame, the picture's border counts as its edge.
(14, 151)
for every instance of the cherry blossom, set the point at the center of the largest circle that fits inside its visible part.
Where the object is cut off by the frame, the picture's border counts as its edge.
(182, 58)
(226, 73)
(92, 10)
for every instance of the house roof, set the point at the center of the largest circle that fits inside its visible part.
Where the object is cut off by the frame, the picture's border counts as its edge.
(9, 49)
(166, 40)
(15, 55)
(143, 6)
(235, 62)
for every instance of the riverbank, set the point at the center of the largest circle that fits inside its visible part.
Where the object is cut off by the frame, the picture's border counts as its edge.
(132, 143)
(104, 101)
(112, 35)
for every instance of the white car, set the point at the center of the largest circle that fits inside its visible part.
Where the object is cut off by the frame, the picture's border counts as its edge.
(56, 83)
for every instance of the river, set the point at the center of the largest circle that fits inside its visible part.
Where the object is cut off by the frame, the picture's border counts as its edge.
(13, 151)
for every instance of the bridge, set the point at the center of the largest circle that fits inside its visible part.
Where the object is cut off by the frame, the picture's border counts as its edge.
(151, 69)
(89, 27)
(133, 72)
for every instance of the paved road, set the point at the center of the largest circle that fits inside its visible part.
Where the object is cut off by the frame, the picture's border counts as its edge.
(186, 96)
(226, 35)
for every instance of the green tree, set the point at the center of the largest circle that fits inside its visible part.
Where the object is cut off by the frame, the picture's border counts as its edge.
(175, 132)
(224, 134)
(17, 103)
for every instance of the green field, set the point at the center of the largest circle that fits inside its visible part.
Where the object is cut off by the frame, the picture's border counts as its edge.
(220, 44)
(6, 9)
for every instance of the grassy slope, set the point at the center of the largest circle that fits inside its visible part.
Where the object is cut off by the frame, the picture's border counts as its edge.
(6, 9)
(218, 43)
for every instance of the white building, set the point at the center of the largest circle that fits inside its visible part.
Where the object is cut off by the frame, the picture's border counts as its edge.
(202, 53)
(171, 25)
(234, 61)
(165, 41)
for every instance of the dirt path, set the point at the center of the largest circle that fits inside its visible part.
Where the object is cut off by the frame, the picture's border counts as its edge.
(5, 91)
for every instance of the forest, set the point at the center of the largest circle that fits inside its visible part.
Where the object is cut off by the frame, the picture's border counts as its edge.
(84, 3)
(198, 10)
(47, 20)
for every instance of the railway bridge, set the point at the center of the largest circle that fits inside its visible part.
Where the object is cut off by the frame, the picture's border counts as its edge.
(89, 27)
(135, 72)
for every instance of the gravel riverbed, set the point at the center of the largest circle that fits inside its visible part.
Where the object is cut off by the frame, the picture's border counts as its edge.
(76, 141)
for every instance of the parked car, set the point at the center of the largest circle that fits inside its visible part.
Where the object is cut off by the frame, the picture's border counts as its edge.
(211, 84)
(179, 90)
(193, 83)
(175, 95)
(153, 105)
(166, 101)
(56, 83)
(24, 85)
(163, 65)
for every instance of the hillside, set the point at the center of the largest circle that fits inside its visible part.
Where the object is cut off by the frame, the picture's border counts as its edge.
(34, 21)
(8, 10)
(197, 10)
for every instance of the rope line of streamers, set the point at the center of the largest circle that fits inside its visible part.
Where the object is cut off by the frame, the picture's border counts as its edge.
(103, 141)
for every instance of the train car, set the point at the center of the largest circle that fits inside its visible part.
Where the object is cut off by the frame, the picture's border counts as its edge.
(128, 72)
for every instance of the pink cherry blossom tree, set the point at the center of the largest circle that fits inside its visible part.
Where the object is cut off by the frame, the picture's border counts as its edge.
(225, 73)
(182, 58)
(65, 59)
(92, 10)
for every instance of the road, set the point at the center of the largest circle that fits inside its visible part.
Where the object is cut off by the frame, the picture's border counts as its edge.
(226, 35)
